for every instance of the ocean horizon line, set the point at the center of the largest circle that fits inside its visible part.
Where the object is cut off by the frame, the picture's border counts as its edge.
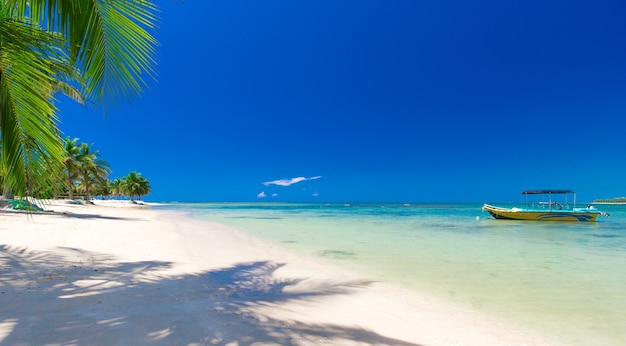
(355, 202)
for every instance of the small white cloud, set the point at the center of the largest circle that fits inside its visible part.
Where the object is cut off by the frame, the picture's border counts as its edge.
(261, 195)
(315, 194)
(274, 195)
(288, 182)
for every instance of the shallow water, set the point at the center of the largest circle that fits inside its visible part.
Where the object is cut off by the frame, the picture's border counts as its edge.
(563, 279)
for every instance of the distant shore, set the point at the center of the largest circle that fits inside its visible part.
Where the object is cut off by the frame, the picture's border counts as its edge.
(610, 201)
(121, 273)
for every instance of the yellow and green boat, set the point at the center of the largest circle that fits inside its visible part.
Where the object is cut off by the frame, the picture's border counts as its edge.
(547, 209)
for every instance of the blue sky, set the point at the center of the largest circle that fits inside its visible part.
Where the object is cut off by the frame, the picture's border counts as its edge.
(381, 101)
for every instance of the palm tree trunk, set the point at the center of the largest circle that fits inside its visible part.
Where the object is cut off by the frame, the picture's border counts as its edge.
(69, 185)
(7, 192)
(86, 177)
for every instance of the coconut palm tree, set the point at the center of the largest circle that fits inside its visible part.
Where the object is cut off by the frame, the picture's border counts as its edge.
(135, 185)
(103, 188)
(96, 49)
(29, 71)
(95, 187)
(91, 168)
(70, 163)
(115, 187)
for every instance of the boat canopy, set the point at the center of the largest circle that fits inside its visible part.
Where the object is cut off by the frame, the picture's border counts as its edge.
(544, 192)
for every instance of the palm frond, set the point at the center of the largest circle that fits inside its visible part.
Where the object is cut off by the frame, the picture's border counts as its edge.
(27, 74)
(108, 42)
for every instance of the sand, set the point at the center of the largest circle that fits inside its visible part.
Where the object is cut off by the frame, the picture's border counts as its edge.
(121, 274)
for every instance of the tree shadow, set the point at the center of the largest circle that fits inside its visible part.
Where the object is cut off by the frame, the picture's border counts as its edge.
(66, 214)
(93, 216)
(78, 297)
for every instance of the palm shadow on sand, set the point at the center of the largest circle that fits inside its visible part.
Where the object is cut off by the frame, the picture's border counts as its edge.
(93, 299)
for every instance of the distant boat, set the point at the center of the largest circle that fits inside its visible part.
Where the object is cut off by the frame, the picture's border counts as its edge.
(546, 210)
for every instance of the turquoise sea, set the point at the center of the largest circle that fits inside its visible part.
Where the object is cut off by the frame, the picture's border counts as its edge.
(562, 279)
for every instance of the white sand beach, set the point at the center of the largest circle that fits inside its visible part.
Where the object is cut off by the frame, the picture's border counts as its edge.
(121, 274)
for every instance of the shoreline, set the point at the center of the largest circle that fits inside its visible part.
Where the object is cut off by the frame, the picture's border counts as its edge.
(115, 272)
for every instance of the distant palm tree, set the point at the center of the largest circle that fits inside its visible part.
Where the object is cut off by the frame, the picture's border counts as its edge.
(91, 168)
(70, 163)
(115, 188)
(135, 185)
(102, 188)
(95, 187)
(99, 50)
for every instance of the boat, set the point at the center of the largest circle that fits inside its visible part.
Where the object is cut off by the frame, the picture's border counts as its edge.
(547, 209)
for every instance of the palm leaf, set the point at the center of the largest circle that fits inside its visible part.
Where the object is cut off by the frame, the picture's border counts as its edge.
(27, 76)
(108, 41)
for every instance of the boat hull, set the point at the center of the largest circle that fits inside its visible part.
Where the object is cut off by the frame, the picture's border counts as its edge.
(579, 215)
